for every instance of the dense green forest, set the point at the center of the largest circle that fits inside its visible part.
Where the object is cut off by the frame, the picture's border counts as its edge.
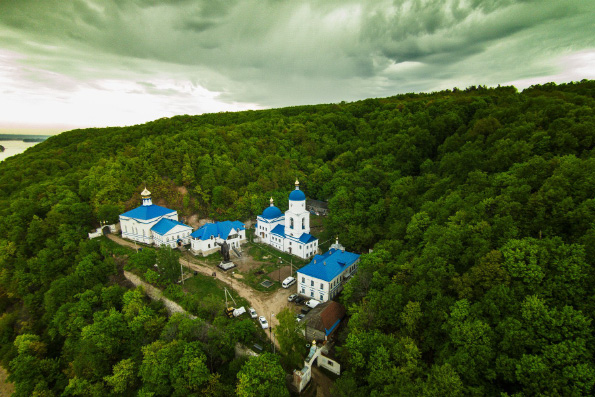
(478, 204)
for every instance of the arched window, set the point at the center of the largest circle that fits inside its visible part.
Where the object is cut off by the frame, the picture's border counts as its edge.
(303, 223)
(291, 223)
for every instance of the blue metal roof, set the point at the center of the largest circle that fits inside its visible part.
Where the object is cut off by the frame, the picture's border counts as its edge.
(146, 212)
(329, 331)
(279, 230)
(165, 225)
(306, 238)
(297, 195)
(336, 261)
(217, 229)
(271, 213)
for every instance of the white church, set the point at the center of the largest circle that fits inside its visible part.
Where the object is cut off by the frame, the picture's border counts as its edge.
(153, 224)
(289, 232)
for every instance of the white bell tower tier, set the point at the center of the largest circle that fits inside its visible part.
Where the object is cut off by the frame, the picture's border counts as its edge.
(297, 219)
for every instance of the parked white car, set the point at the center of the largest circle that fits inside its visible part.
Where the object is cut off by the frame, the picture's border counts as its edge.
(252, 312)
(263, 322)
(291, 297)
(288, 282)
(312, 303)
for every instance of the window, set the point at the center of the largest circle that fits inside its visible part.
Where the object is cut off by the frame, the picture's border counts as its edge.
(291, 223)
(312, 293)
(311, 283)
(303, 290)
(330, 363)
(209, 245)
(321, 297)
(303, 279)
(303, 223)
(321, 286)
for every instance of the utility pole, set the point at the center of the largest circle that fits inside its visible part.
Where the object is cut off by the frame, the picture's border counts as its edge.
(271, 332)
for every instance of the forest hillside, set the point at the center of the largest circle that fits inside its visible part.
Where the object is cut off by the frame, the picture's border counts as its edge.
(478, 206)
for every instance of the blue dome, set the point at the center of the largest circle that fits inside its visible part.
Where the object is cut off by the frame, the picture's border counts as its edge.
(297, 195)
(271, 213)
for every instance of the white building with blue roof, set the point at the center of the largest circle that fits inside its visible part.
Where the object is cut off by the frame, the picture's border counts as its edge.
(323, 278)
(153, 224)
(289, 232)
(204, 240)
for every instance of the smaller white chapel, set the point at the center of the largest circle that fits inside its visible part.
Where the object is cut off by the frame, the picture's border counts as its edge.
(289, 232)
(153, 224)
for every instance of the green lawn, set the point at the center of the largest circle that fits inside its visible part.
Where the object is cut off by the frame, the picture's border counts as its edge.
(114, 248)
(202, 285)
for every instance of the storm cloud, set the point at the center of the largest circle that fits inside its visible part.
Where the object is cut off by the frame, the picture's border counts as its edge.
(110, 62)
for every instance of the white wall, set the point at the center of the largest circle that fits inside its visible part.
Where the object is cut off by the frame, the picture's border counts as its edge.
(171, 238)
(329, 364)
(305, 287)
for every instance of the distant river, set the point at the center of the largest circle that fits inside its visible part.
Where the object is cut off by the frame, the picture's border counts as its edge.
(14, 147)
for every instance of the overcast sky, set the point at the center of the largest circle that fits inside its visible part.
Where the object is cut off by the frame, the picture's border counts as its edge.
(120, 62)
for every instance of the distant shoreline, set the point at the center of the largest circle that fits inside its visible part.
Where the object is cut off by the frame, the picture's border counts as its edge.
(16, 146)
(23, 137)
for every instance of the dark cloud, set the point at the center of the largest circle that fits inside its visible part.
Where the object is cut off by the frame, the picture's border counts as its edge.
(277, 53)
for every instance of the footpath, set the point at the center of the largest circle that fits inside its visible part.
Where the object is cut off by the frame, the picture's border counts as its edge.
(156, 294)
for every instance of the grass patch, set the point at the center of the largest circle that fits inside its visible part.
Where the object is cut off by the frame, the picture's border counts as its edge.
(202, 285)
(113, 247)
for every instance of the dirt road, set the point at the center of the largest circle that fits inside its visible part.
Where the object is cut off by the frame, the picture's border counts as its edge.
(265, 303)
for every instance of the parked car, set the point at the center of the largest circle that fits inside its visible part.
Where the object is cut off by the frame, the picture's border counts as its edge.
(252, 312)
(291, 297)
(312, 303)
(300, 317)
(305, 310)
(298, 300)
(263, 322)
(288, 282)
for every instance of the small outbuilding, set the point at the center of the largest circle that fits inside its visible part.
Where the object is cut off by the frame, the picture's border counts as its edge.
(322, 321)
(206, 240)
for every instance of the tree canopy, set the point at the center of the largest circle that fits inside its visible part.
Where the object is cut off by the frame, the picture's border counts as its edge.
(478, 206)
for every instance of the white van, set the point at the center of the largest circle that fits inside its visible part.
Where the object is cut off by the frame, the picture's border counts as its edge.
(288, 281)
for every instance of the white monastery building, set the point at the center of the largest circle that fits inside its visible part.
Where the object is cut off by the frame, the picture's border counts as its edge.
(206, 239)
(289, 232)
(323, 278)
(153, 224)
